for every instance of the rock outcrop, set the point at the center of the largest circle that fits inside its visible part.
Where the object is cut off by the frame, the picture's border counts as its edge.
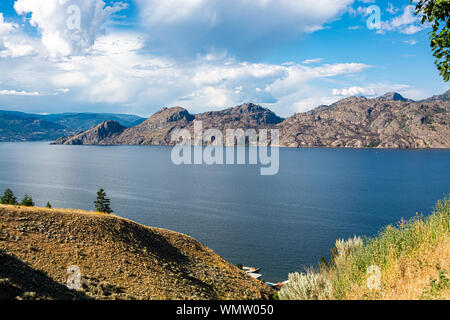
(389, 121)
(103, 133)
(358, 122)
(392, 96)
(157, 129)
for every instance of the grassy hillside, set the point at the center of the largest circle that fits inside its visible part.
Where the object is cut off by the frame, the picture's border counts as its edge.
(118, 259)
(413, 259)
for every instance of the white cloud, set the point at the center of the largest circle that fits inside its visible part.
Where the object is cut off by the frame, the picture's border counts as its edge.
(117, 73)
(115, 70)
(234, 24)
(354, 91)
(5, 27)
(407, 22)
(19, 93)
(310, 61)
(411, 29)
(377, 89)
(391, 9)
(57, 20)
(411, 42)
(13, 43)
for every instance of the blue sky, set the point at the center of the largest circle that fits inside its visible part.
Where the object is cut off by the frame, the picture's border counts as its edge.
(137, 56)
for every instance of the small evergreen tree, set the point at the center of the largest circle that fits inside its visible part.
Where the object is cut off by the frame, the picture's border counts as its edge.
(8, 198)
(27, 201)
(102, 204)
(48, 205)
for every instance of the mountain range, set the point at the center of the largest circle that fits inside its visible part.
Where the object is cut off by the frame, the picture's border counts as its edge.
(388, 121)
(20, 126)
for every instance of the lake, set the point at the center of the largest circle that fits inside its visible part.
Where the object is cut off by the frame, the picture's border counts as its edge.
(279, 223)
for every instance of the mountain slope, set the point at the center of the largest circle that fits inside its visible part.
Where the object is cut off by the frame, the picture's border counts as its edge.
(83, 121)
(361, 122)
(158, 128)
(118, 259)
(20, 126)
(101, 133)
(392, 96)
(443, 97)
(14, 127)
(19, 281)
(246, 116)
(389, 121)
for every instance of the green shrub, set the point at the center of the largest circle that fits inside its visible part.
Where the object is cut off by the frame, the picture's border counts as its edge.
(27, 201)
(8, 198)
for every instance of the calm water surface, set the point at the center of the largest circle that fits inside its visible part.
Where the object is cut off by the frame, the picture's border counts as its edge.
(279, 223)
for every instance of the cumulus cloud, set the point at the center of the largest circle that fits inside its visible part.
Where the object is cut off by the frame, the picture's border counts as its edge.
(116, 72)
(354, 91)
(244, 27)
(67, 26)
(5, 27)
(377, 89)
(13, 43)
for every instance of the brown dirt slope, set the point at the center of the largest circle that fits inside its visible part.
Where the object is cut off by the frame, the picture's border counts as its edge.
(118, 259)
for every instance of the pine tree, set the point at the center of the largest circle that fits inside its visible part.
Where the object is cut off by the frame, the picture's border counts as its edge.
(49, 205)
(102, 204)
(8, 198)
(27, 201)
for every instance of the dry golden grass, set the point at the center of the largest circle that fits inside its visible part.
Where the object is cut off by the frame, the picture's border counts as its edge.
(408, 277)
(120, 259)
(413, 258)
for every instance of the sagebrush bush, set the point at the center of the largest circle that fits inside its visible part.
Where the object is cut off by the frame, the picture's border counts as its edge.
(309, 286)
(343, 250)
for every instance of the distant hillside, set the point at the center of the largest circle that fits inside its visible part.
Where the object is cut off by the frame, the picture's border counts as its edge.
(118, 259)
(19, 126)
(389, 121)
(83, 121)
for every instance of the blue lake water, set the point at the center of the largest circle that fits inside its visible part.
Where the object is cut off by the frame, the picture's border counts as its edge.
(280, 223)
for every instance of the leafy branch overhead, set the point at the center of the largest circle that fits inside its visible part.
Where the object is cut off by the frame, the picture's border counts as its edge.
(437, 12)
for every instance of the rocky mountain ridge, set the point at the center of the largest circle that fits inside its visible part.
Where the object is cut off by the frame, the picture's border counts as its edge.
(389, 121)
